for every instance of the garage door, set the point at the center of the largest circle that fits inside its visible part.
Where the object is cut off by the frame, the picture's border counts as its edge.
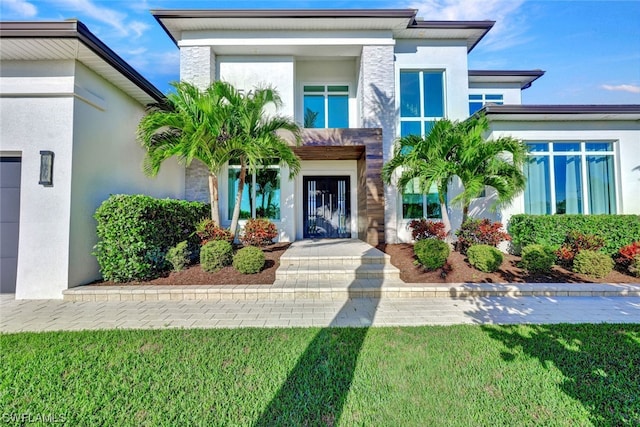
(9, 221)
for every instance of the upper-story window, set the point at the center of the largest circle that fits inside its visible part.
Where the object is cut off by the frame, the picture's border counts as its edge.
(422, 100)
(477, 101)
(570, 177)
(326, 106)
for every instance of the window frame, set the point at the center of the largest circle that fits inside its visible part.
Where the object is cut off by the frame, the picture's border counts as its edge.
(484, 101)
(253, 196)
(551, 153)
(422, 119)
(325, 95)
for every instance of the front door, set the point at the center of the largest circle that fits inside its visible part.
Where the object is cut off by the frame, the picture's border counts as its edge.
(327, 208)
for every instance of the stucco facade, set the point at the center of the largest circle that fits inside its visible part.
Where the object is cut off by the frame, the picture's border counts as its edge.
(89, 123)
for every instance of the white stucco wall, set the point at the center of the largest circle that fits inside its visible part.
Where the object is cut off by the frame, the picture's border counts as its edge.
(626, 136)
(246, 72)
(36, 113)
(309, 72)
(107, 160)
(450, 56)
(90, 126)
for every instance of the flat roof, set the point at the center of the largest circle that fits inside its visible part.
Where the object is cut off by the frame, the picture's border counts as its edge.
(403, 22)
(57, 35)
(563, 112)
(523, 77)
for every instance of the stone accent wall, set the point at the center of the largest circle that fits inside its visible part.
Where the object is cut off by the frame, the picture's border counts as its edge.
(378, 110)
(197, 65)
(197, 182)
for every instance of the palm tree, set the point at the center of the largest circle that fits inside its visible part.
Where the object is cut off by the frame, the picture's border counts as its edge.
(458, 149)
(188, 124)
(255, 138)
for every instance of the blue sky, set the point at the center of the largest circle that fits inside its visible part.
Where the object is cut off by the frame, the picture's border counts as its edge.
(590, 50)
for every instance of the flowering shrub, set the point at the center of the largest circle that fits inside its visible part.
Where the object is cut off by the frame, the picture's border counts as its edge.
(208, 231)
(258, 232)
(480, 232)
(425, 229)
(627, 253)
(576, 242)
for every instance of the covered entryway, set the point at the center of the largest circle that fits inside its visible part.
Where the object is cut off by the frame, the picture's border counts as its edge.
(10, 168)
(327, 208)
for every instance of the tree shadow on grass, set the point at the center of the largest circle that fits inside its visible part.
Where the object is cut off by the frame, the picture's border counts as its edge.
(601, 364)
(315, 391)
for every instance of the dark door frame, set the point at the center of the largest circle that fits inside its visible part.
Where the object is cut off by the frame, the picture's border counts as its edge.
(327, 181)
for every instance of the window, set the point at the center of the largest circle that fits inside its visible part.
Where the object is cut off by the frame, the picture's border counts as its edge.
(326, 106)
(261, 193)
(422, 101)
(477, 101)
(570, 177)
(416, 205)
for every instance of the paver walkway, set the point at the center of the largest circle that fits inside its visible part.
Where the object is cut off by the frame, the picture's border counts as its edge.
(49, 315)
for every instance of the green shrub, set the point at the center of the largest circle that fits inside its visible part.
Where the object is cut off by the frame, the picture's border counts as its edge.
(576, 242)
(427, 229)
(485, 257)
(480, 232)
(431, 253)
(178, 256)
(258, 232)
(135, 232)
(249, 260)
(634, 267)
(208, 231)
(537, 259)
(551, 230)
(215, 255)
(592, 263)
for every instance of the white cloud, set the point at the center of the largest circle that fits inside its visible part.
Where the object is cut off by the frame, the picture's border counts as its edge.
(508, 30)
(111, 17)
(622, 88)
(20, 8)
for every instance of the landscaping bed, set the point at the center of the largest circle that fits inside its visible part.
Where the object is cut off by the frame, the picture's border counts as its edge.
(402, 257)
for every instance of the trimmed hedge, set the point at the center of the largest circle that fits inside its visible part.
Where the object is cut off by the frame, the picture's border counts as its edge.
(215, 255)
(551, 230)
(135, 232)
(592, 263)
(249, 260)
(537, 259)
(485, 257)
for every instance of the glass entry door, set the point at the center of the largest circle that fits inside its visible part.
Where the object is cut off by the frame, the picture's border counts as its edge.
(327, 210)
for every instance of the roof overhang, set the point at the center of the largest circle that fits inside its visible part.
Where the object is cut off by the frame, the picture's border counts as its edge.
(522, 77)
(401, 23)
(625, 112)
(60, 40)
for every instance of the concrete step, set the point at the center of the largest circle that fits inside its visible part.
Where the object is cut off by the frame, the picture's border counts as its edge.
(338, 272)
(354, 260)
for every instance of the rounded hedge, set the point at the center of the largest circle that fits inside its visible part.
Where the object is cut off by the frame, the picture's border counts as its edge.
(484, 257)
(537, 259)
(592, 263)
(215, 255)
(249, 260)
(431, 253)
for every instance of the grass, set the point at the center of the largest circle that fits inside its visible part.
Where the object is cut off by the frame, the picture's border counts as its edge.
(459, 375)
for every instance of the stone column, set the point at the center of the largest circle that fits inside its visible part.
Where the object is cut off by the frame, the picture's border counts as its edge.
(378, 110)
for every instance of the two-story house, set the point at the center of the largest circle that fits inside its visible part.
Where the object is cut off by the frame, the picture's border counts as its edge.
(359, 79)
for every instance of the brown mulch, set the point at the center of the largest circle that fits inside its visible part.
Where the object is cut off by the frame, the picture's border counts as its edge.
(401, 256)
(194, 275)
(462, 272)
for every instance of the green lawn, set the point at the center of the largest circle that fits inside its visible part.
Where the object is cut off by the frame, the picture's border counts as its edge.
(460, 375)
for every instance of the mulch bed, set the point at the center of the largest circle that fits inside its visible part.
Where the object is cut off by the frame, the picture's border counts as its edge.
(401, 256)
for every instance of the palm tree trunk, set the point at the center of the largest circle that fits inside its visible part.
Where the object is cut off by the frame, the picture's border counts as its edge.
(465, 213)
(445, 218)
(213, 196)
(236, 208)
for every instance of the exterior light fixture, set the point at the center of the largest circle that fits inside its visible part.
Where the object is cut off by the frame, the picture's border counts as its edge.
(46, 168)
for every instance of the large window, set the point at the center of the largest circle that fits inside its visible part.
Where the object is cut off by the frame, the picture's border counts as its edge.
(477, 101)
(326, 106)
(417, 205)
(422, 101)
(261, 193)
(570, 177)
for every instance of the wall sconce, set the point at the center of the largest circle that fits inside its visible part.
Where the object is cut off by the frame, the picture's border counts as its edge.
(46, 168)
